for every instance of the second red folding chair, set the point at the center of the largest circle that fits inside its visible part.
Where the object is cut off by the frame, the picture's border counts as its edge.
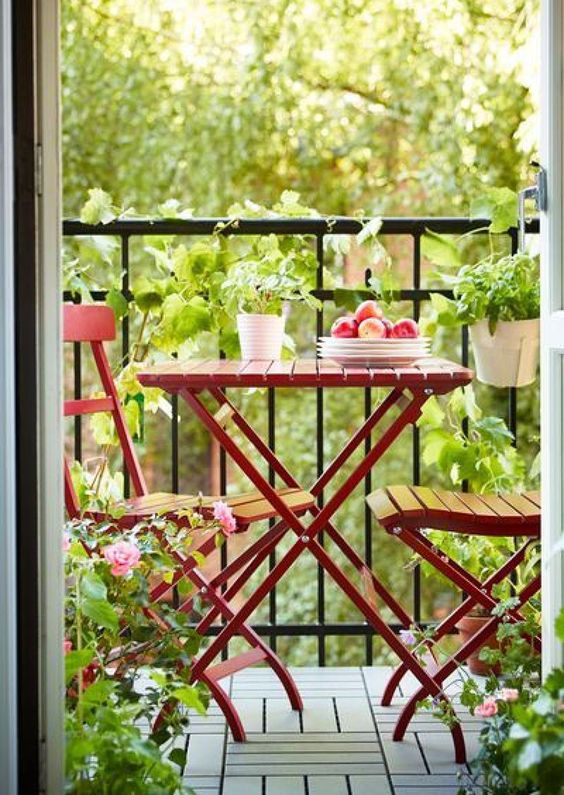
(95, 325)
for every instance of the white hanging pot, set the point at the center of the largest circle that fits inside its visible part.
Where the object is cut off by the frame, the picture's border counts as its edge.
(510, 356)
(260, 336)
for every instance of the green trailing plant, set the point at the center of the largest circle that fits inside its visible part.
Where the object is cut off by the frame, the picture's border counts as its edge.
(470, 448)
(522, 741)
(122, 664)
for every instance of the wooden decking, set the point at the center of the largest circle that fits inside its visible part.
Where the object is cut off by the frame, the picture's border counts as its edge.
(340, 745)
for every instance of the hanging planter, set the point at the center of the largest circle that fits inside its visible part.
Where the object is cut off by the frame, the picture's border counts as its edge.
(260, 336)
(509, 356)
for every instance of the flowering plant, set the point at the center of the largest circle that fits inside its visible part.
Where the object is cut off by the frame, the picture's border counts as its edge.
(128, 657)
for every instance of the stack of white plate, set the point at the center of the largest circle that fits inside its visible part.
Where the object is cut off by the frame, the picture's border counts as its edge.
(369, 352)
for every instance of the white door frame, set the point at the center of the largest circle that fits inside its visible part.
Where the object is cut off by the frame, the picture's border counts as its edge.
(8, 584)
(50, 442)
(552, 326)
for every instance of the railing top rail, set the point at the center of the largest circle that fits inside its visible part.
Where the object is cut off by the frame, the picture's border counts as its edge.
(323, 225)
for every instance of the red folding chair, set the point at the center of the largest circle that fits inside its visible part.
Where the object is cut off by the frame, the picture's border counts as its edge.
(406, 512)
(95, 325)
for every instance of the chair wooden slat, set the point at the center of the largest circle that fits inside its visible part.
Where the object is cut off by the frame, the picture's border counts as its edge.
(73, 408)
(500, 507)
(405, 500)
(534, 497)
(477, 506)
(452, 502)
(429, 499)
(520, 502)
(382, 507)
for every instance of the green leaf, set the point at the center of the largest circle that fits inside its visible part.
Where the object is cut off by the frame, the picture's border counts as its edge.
(190, 698)
(445, 310)
(149, 294)
(99, 208)
(117, 301)
(499, 205)
(101, 612)
(178, 756)
(432, 414)
(76, 660)
(99, 692)
(92, 586)
(559, 626)
(434, 444)
(440, 250)
(350, 297)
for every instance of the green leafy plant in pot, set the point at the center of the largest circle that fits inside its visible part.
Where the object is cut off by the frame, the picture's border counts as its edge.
(469, 448)
(273, 270)
(498, 297)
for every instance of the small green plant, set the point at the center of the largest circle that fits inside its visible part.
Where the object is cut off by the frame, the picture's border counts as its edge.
(499, 287)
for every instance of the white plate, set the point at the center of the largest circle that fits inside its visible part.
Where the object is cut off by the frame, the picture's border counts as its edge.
(356, 360)
(413, 346)
(372, 340)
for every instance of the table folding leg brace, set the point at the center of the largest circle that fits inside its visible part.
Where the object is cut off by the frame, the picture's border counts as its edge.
(410, 409)
(212, 675)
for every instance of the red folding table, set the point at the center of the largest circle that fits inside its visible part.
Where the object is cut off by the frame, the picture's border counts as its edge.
(409, 388)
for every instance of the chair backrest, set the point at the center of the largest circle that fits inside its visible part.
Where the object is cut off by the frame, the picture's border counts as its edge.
(95, 325)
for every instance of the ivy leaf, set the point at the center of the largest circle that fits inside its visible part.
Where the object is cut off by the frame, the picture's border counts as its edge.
(435, 442)
(432, 414)
(149, 294)
(117, 301)
(178, 756)
(101, 612)
(190, 698)
(99, 208)
(76, 660)
(499, 205)
(441, 250)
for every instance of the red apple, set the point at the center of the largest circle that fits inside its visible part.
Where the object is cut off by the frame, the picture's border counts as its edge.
(405, 328)
(389, 326)
(367, 309)
(344, 327)
(372, 327)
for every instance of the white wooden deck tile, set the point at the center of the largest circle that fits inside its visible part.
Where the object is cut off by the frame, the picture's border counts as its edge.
(285, 785)
(205, 754)
(319, 715)
(322, 737)
(404, 756)
(202, 782)
(322, 785)
(354, 714)
(428, 782)
(370, 785)
(438, 750)
(251, 713)
(376, 679)
(280, 717)
(250, 785)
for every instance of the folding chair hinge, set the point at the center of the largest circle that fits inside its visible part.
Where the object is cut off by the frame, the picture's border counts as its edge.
(397, 531)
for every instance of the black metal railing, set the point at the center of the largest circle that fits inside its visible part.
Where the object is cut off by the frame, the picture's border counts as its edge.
(318, 229)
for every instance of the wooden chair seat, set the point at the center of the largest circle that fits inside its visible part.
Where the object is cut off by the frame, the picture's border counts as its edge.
(247, 508)
(472, 514)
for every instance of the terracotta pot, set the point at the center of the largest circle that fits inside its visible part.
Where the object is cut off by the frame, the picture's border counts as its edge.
(510, 356)
(467, 628)
(260, 336)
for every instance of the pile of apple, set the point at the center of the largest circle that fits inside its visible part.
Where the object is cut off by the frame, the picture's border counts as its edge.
(369, 322)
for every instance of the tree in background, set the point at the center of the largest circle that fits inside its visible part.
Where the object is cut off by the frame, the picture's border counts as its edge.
(396, 106)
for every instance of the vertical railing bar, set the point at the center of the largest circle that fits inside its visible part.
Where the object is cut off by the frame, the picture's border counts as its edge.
(125, 331)
(272, 599)
(320, 442)
(416, 446)
(224, 559)
(369, 649)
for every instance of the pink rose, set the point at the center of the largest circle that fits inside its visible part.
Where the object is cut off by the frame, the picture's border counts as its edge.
(509, 694)
(224, 515)
(123, 555)
(487, 709)
(67, 646)
(66, 542)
